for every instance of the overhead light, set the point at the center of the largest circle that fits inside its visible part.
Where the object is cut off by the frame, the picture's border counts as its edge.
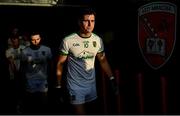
(31, 2)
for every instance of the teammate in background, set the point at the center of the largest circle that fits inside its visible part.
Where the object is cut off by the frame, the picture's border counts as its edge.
(25, 38)
(80, 50)
(36, 68)
(22, 36)
(13, 55)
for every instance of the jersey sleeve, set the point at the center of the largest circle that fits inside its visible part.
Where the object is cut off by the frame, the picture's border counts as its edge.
(49, 53)
(64, 49)
(101, 45)
(8, 53)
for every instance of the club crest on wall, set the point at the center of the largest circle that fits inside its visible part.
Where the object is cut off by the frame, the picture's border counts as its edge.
(157, 32)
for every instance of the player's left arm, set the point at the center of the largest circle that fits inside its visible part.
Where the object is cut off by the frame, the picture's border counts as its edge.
(107, 69)
(50, 64)
(104, 64)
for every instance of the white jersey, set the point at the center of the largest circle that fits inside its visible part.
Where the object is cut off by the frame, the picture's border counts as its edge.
(81, 57)
(15, 54)
(36, 62)
(21, 42)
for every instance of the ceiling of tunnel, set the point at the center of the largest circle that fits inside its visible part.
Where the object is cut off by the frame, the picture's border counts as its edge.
(70, 2)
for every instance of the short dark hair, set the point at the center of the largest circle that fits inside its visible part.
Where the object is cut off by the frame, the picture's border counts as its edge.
(14, 36)
(35, 33)
(86, 11)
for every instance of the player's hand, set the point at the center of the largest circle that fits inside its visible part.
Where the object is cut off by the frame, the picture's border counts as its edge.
(114, 86)
(58, 85)
(59, 93)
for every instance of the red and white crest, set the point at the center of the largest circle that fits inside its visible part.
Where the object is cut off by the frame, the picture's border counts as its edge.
(157, 32)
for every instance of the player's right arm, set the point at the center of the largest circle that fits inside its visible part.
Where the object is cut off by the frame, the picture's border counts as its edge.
(59, 70)
(10, 58)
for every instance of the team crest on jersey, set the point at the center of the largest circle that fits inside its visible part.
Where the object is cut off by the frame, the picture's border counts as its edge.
(157, 32)
(94, 43)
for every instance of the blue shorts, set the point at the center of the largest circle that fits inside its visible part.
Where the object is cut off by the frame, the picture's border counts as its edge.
(35, 85)
(81, 95)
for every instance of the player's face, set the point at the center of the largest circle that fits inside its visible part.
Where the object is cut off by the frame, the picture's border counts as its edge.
(35, 39)
(15, 42)
(87, 23)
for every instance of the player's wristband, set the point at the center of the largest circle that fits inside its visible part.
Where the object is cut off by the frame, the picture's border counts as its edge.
(59, 86)
(111, 78)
